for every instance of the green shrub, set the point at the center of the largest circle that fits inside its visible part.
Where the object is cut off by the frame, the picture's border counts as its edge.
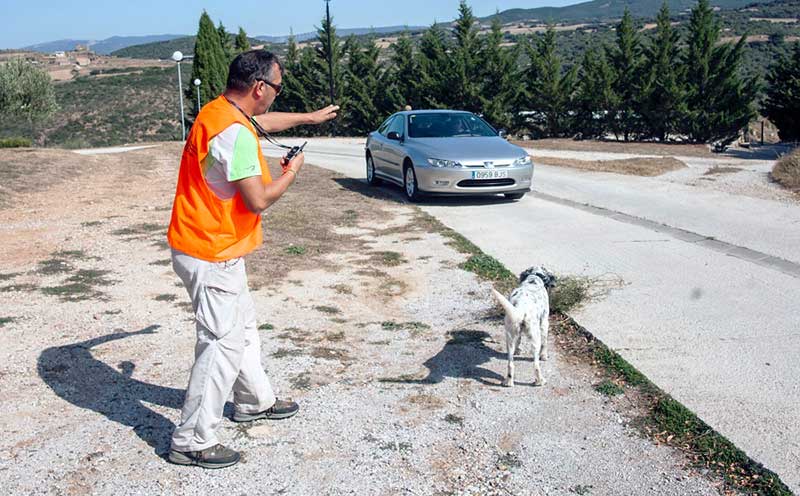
(787, 170)
(15, 142)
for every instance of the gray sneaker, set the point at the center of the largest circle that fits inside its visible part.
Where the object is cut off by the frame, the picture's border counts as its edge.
(214, 457)
(280, 410)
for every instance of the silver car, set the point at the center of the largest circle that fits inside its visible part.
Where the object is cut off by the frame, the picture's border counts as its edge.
(446, 152)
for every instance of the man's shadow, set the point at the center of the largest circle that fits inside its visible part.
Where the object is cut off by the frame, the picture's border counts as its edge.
(461, 357)
(79, 378)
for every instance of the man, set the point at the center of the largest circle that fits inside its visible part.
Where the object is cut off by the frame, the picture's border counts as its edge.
(223, 186)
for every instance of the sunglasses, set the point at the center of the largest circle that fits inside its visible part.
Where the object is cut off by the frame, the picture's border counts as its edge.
(277, 87)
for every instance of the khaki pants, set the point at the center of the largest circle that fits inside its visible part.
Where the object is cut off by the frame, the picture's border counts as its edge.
(227, 353)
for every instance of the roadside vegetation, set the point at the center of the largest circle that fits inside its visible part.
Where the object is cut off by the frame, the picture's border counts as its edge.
(787, 171)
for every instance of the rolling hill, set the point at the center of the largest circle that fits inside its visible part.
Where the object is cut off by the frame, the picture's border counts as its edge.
(103, 47)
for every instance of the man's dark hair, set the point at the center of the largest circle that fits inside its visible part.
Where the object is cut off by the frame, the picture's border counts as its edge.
(248, 67)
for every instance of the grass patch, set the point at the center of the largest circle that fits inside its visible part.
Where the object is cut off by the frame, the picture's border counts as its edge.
(140, 229)
(18, 287)
(508, 460)
(415, 328)
(286, 352)
(6, 320)
(296, 250)
(53, 266)
(266, 327)
(666, 421)
(166, 297)
(721, 170)
(388, 258)
(609, 388)
(327, 309)
(569, 293)
(91, 223)
(162, 263)
(301, 381)
(91, 277)
(342, 289)
(488, 268)
(76, 291)
(786, 171)
(15, 142)
(640, 166)
(10, 275)
(454, 419)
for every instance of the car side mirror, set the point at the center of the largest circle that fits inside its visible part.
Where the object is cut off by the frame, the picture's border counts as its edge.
(394, 135)
(502, 133)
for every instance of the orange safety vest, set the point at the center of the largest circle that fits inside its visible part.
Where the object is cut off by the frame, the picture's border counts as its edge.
(204, 226)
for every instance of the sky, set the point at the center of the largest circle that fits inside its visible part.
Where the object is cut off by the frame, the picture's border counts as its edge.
(27, 22)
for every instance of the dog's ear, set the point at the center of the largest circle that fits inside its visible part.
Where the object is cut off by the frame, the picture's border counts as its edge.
(526, 274)
(550, 278)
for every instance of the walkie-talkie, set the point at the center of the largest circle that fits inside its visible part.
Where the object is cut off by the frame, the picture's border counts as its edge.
(294, 151)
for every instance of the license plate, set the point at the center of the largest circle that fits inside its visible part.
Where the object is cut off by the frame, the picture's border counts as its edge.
(489, 174)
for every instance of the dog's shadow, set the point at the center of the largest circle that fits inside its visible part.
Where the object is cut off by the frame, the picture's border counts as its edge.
(75, 375)
(462, 357)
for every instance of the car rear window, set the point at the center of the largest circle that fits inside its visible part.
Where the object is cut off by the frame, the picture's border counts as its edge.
(447, 125)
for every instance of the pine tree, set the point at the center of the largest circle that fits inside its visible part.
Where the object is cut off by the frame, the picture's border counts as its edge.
(403, 72)
(663, 99)
(548, 89)
(782, 105)
(362, 87)
(626, 59)
(500, 84)
(719, 100)
(329, 51)
(466, 84)
(595, 97)
(209, 65)
(435, 67)
(241, 43)
(226, 41)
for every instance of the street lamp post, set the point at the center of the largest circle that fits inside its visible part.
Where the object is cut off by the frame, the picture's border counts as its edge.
(197, 85)
(177, 57)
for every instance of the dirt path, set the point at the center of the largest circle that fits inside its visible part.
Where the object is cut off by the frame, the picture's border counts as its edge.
(367, 321)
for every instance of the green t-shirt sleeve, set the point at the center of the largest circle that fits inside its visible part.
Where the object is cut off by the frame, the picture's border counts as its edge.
(244, 162)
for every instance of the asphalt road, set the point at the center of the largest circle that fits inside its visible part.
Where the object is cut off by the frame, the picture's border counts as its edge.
(702, 287)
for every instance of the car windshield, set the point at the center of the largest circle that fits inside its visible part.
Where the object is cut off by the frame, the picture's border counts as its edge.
(447, 125)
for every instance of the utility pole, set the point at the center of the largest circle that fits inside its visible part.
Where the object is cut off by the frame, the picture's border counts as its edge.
(330, 49)
(177, 57)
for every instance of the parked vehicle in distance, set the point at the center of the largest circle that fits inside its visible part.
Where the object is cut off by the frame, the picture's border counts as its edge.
(446, 152)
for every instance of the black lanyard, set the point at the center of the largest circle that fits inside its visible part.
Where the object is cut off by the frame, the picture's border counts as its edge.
(259, 130)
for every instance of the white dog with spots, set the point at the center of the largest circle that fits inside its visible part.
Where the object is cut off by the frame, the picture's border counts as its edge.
(527, 312)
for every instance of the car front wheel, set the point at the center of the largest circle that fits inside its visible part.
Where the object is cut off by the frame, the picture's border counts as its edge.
(411, 189)
(372, 179)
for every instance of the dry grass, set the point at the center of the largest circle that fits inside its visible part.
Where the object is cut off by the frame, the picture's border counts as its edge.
(787, 171)
(716, 170)
(632, 166)
(665, 149)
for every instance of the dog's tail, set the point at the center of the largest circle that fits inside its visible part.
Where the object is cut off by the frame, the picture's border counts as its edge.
(510, 309)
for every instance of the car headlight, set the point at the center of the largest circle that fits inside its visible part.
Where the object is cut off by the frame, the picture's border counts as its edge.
(438, 162)
(526, 160)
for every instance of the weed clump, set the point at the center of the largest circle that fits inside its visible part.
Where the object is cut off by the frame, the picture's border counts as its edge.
(787, 171)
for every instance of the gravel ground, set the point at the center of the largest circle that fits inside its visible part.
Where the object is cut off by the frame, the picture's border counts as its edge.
(394, 360)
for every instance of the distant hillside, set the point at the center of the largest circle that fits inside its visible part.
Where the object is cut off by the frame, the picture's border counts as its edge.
(342, 32)
(103, 47)
(165, 49)
(604, 10)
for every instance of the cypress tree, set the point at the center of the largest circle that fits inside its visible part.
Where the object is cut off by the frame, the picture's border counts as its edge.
(226, 41)
(595, 98)
(719, 100)
(294, 96)
(627, 62)
(209, 65)
(782, 105)
(548, 89)
(466, 85)
(241, 43)
(404, 71)
(361, 87)
(434, 69)
(500, 82)
(663, 95)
